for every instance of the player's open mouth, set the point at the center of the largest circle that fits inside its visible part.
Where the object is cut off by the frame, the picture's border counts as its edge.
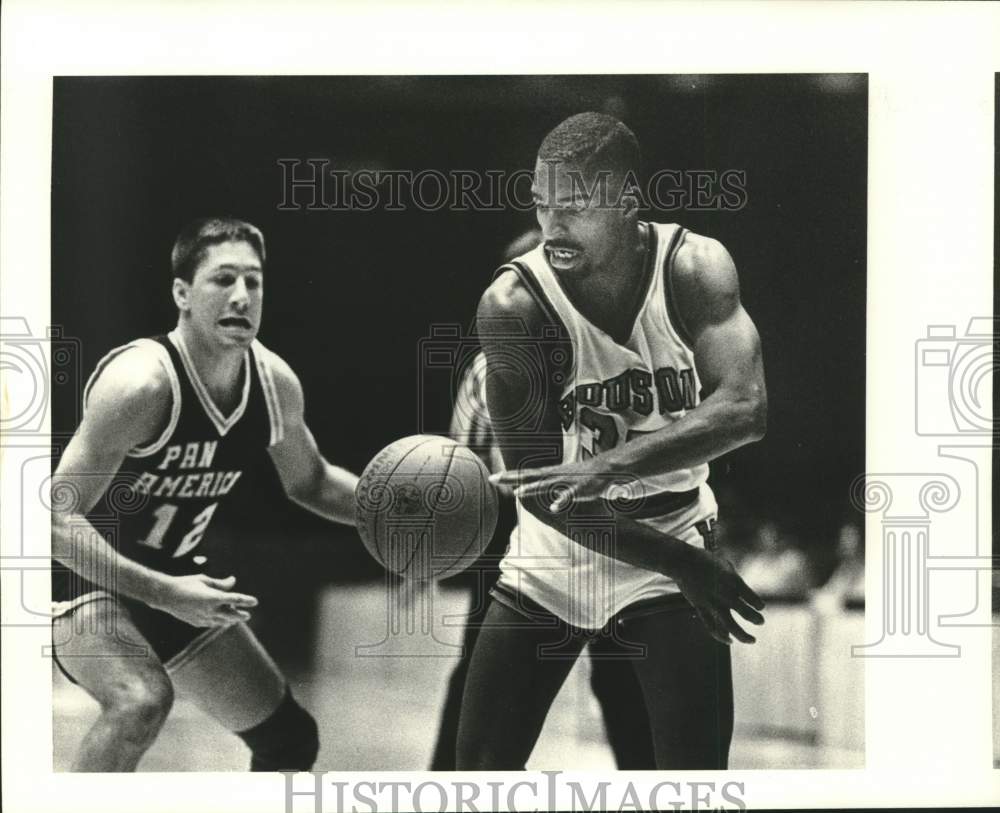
(561, 256)
(238, 322)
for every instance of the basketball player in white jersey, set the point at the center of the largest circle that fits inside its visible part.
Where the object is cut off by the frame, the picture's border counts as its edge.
(612, 680)
(143, 607)
(650, 368)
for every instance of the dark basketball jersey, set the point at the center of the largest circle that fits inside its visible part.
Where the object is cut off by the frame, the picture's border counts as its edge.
(166, 494)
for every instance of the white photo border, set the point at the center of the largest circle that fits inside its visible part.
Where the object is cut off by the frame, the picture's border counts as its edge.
(931, 70)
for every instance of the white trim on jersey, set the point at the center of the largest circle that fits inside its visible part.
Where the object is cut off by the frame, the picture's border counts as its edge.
(175, 388)
(262, 356)
(666, 286)
(221, 422)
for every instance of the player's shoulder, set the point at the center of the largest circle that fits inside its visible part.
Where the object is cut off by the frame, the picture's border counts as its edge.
(703, 278)
(286, 383)
(509, 298)
(131, 395)
(138, 373)
(278, 367)
(702, 261)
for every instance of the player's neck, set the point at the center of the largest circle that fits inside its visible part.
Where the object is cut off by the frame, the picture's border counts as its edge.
(622, 271)
(609, 294)
(219, 368)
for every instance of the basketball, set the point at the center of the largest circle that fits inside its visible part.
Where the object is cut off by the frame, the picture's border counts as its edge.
(425, 507)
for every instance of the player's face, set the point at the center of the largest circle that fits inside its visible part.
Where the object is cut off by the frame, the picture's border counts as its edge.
(226, 293)
(582, 228)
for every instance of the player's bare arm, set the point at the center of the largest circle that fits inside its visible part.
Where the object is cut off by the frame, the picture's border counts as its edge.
(733, 410)
(308, 478)
(128, 406)
(727, 352)
(709, 582)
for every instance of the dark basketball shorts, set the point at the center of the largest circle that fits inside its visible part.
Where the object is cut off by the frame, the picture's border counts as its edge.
(172, 640)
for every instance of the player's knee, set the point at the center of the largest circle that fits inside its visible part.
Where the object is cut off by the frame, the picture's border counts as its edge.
(139, 706)
(478, 753)
(287, 740)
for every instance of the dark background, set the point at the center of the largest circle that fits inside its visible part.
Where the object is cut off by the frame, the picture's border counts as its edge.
(349, 295)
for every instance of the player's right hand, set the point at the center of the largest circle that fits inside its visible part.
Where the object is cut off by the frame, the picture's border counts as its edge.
(714, 588)
(202, 601)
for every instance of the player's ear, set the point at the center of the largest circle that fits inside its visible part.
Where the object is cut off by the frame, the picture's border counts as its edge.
(630, 204)
(629, 201)
(180, 291)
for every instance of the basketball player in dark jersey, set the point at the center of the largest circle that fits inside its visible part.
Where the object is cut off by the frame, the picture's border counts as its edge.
(171, 425)
(650, 369)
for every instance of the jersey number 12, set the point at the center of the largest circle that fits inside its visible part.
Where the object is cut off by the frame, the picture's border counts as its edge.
(165, 516)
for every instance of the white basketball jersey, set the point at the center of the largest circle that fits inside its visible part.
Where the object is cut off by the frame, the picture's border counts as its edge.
(617, 392)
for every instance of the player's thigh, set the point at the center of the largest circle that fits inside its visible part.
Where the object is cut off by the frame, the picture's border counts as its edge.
(616, 686)
(613, 676)
(228, 674)
(99, 647)
(686, 679)
(517, 668)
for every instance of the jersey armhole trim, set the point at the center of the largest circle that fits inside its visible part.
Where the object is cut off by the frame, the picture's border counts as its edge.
(175, 406)
(271, 399)
(175, 391)
(668, 279)
(534, 287)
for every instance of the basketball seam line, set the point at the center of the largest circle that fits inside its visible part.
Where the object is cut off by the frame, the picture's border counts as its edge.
(388, 477)
(471, 541)
(444, 483)
(416, 548)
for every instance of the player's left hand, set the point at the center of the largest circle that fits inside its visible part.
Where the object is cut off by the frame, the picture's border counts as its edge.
(562, 484)
(712, 586)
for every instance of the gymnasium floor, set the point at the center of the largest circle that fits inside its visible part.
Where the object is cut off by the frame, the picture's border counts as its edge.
(352, 696)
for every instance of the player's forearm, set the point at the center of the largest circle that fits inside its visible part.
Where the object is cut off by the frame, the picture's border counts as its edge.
(718, 425)
(633, 542)
(330, 495)
(80, 547)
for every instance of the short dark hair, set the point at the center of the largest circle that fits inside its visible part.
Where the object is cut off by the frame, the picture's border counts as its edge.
(593, 141)
(196, 237)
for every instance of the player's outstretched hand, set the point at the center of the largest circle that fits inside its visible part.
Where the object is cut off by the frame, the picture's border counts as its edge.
(202, 601)
(714, 588)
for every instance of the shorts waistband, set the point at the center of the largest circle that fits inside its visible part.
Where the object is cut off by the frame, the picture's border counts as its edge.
(663, 502)
(527, 608)
(532, 611)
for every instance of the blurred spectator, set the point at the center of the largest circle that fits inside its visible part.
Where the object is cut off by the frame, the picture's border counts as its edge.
(775, 568)
(737, 525)
(846, 586)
